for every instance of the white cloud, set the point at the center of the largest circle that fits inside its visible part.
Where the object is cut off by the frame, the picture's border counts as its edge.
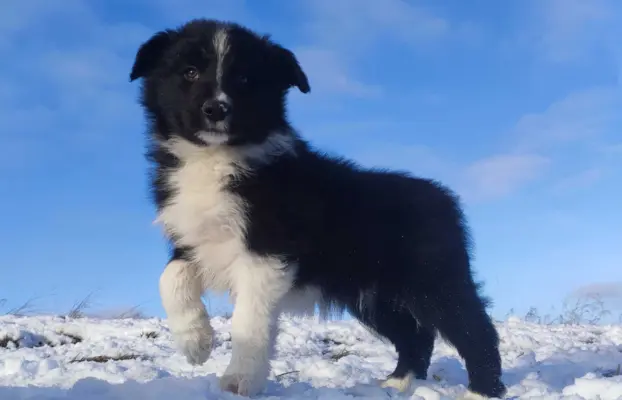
(568, 30)
(604, 289)
(180, 11)
(81, 85)
(581, 115)
(500, 175)
(612, 149)
(16, 15)
(584, 123)
(349, 24)
(418, 159)
(328, 74)
(341, 32)
(98, 66)
(579, 118)
(581, 180)
(487, 179)
(562, 30)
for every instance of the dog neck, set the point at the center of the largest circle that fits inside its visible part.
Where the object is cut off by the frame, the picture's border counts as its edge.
(245, 156)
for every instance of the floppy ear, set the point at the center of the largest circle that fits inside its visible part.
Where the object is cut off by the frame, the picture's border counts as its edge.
(290, 68)
(150, 53)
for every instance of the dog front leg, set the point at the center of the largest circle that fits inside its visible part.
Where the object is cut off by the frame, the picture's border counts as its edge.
(258, 290)
(180, 291)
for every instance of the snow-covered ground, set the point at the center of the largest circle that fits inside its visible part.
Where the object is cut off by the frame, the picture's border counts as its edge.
(58, 358)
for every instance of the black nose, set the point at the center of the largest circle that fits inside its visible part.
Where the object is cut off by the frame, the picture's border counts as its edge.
(216, 110)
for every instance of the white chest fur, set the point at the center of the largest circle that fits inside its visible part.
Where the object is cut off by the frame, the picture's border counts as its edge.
(202, 214)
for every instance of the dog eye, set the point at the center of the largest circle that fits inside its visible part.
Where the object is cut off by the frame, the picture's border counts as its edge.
(243, 79)
(191, 74)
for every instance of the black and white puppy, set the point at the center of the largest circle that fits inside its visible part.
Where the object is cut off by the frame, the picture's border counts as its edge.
(251, 208)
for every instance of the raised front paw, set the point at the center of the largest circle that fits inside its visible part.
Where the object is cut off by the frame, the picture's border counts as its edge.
(244, 382)
(195, 343)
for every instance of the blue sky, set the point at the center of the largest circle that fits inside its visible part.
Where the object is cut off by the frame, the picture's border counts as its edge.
(515, 104)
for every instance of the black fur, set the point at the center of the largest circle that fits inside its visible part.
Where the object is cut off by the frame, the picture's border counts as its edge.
(391, 248)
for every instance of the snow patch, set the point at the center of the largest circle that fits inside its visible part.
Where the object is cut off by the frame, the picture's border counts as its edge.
(132, 359)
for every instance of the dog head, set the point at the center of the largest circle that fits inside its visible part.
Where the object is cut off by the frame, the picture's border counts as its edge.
(212, 82)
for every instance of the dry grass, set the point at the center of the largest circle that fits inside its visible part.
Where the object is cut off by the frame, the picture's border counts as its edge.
(329, 341)
(27, 308)
(104, 359)
(5, 341)
(335, 355)
(279, 376)
(588, 309)
(73, 338)
(36, 340)
(79, 308)
(150, 335)
(8, 341)
(340, 354)
(133, 313)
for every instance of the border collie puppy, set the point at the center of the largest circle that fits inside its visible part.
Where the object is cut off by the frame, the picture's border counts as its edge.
(251, 208)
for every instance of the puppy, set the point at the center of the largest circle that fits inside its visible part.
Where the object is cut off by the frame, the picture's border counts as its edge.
(251, 208)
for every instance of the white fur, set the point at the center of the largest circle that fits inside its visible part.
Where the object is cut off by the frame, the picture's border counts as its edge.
(401, 384)
(468, 395)
(259, 286)
(212, 221)
(222, 96)
(180, 291)
(221, 45)
(213, 138)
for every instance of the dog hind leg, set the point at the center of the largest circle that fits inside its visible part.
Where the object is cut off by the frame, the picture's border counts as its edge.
(413, 343)
(459, 315)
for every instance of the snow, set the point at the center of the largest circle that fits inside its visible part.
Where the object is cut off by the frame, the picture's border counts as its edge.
(45, 359)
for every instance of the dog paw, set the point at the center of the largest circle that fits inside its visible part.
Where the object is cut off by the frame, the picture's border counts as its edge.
(244, 382)
(401, 384)
(469, 395)
(195, 343)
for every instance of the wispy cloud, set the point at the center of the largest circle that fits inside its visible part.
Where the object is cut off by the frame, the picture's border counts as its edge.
(86, 82)
(340, 32)
(610, 290)
(328, 74)
(581, 180)
(500, 175)
(586, 114)
(613, 149)
(73, 73)
(181, 11)
(487, 179)
(419, 159)
(571, 27)
(570, 30)
(582, 119)
(343, 31)
(355, 24)
(17, 15)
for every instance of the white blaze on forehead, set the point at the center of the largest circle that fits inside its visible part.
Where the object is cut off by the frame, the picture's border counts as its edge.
(221, 46)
